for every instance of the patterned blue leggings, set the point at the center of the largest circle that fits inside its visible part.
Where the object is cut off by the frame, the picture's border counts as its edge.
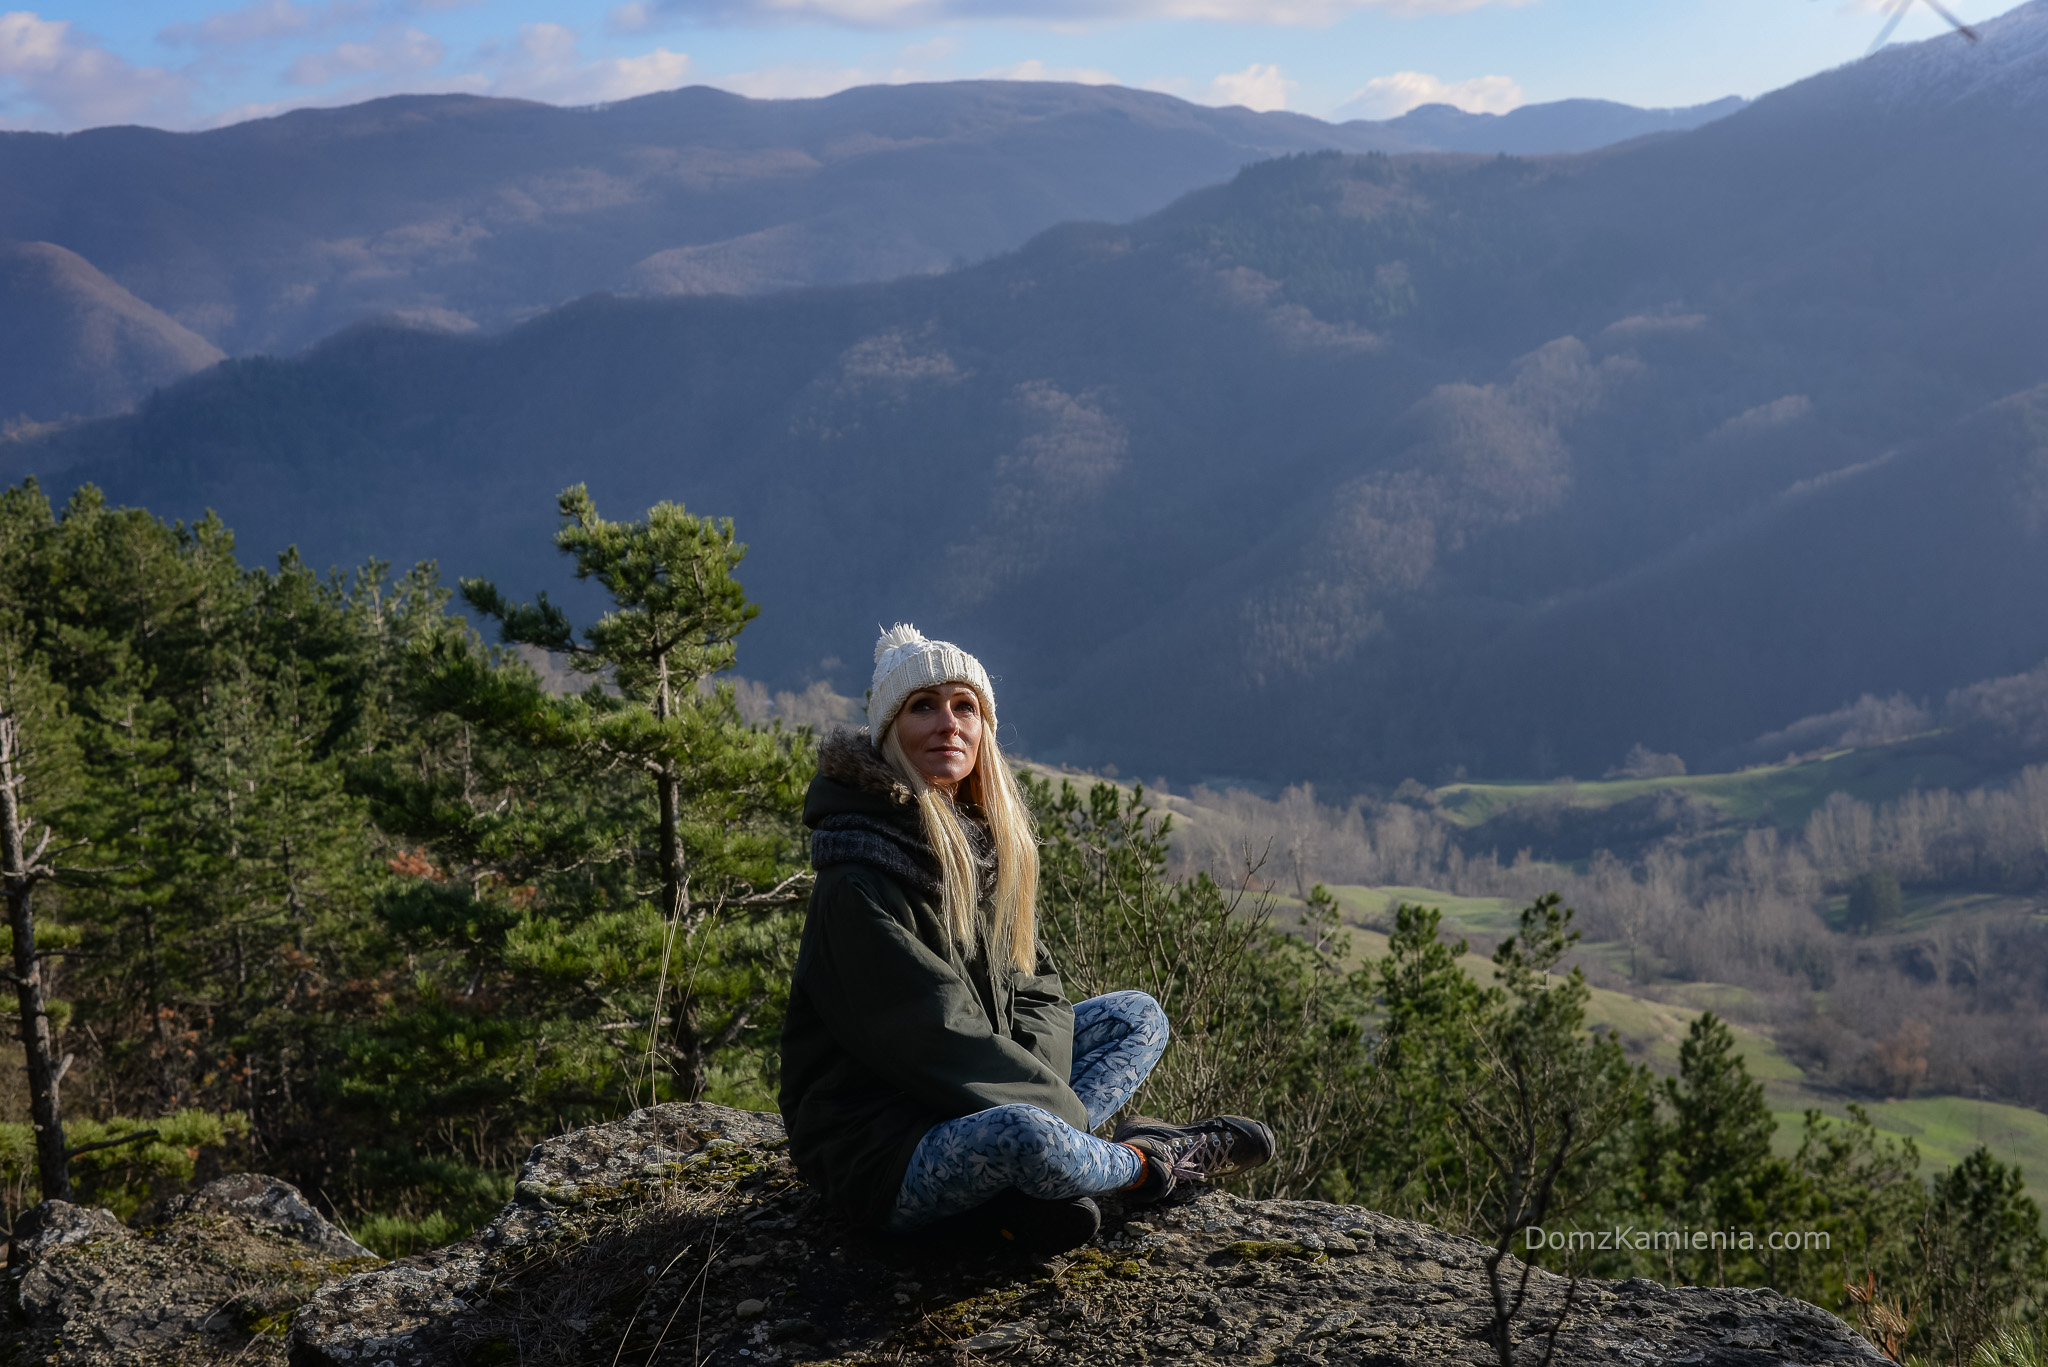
(962, 1163)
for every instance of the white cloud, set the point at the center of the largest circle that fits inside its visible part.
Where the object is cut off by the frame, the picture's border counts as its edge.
(621, 78)
(394, 51)
(1260, 86)
(263, 21)
(270, 22)
(69, 83)
(1035, 70)
(636, 17)
(545, 65)
(1388, 97)
(912, 13)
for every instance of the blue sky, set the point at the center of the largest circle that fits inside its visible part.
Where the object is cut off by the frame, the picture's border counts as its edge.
(196, 64)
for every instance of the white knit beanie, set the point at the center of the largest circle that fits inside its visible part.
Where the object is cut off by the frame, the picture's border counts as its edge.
(905, 662)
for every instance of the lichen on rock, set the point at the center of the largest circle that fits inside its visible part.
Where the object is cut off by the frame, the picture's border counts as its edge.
(682, 1235)
(219, 1280)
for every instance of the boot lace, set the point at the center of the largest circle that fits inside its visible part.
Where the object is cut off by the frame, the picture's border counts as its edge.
(1197, 1156)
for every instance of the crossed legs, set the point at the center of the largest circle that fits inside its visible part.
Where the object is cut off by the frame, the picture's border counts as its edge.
(961, 1164)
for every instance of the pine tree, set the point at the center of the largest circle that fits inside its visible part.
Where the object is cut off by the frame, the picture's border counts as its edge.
(1713, 1156)
(1721, 1124)
(725, 795)
(40, 785)
(1983, 1257)
(34, 765)
(1427, 1002)
(677, 617)
(1542, 1098)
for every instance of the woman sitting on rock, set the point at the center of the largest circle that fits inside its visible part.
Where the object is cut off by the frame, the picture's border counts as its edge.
(931, 1065)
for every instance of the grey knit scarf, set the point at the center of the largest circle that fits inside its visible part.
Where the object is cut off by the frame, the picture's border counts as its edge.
(894, 844)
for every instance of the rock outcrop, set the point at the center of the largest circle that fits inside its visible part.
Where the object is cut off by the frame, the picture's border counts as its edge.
(681, 1235)
(218, 1281)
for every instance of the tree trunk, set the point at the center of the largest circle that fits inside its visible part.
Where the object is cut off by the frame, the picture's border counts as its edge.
(52, 1166)
(695, 1049)
(690, 1068)
(159, 1015)
(675, 893)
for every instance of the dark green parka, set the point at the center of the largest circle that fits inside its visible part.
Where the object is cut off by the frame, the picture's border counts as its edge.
(891, 1027)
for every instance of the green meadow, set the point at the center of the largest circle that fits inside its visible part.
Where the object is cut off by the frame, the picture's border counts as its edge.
(1786, 793)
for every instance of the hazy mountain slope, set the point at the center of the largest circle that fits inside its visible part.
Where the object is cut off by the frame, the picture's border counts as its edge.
(1539, 129)
(1909, 574)
(74, 342)
(1353, 468)
(269, 234)
(266, 235)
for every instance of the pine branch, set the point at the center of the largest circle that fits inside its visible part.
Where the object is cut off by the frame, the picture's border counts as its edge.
(135, 1138)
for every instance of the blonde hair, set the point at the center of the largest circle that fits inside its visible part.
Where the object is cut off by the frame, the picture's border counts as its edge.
(1013, 917)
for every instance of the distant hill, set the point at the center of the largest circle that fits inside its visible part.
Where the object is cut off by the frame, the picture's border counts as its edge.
(72, 342)
(1353, 469)
(458, 211)
(1540, 129)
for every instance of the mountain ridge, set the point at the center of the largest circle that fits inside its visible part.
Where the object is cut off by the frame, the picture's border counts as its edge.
(1477, 462)
(1550, 128)
(266, 235)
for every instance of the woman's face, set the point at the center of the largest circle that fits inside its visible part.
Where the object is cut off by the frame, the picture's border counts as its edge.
(939, 729)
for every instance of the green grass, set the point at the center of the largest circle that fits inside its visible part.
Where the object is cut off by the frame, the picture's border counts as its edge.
(1653, 1031)
(1467, 915)
(1723, 999)
(1946, 1128)
(1924, 908)
(1786, 793)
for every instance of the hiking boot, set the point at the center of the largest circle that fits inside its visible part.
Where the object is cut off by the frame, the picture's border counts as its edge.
(1221, 1146)
(1044, 1227)
(1025, 1224)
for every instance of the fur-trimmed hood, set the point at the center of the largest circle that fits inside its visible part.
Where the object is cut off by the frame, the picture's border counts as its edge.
(860, 811)
(850, 759)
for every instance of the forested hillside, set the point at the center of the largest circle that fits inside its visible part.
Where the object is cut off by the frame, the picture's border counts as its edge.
(1485, 463)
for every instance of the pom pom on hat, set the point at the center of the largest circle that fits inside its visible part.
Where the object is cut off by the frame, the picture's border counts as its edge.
(896, 637)
(905, 661)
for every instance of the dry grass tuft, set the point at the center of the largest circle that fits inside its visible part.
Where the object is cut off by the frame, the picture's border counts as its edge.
(615, 1282)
